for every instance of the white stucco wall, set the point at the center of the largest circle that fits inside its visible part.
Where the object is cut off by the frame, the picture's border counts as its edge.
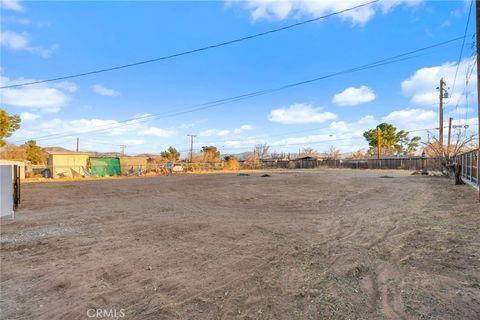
(6, 190)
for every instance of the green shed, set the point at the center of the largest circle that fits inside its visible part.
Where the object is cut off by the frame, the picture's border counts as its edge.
(108, 166)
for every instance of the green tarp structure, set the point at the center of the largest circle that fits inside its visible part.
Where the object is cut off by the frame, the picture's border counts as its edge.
(101, 167)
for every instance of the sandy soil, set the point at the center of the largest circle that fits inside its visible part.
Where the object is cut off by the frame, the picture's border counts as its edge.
(315, 244)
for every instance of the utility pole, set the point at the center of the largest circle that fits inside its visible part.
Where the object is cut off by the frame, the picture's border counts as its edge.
(449, 136)
(477, 10)
(78, 140)
(378, 143)
(440, 128)
(191, 146)
(122, 147)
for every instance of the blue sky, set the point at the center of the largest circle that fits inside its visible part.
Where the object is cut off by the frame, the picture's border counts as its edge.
(42, 40)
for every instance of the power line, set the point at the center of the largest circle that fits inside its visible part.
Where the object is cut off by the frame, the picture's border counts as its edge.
(460, 57)
(462, 47)
(179, 54)
(309, 143)
(208, 105)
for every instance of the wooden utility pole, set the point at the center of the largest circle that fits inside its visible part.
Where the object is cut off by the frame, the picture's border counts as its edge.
(440, 122)
(191, 146)
(378, 143)
(78, 140)
(122, 147)
(477, 15)
(449, 136)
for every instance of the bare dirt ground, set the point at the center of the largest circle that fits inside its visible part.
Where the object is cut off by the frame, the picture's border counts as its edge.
(314, 244)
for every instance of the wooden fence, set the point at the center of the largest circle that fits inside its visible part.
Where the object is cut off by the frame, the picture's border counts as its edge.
(413, 163)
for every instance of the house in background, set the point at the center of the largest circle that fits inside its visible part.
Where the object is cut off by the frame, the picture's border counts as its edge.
(67, 164)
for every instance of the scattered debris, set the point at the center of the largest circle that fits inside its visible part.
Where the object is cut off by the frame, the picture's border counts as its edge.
(431, 173)
(243, 174)
(386, 177)
(265, 175)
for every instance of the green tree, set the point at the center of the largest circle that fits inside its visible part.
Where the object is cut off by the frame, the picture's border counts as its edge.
(407, 146)
(34, 152)
(391, 141)
(171, 154)
(8, 124)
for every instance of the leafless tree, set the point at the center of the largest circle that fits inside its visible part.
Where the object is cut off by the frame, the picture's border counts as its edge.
(333, 154)
(359, 154)
(310, 152)
(462, 142)
(261, 150)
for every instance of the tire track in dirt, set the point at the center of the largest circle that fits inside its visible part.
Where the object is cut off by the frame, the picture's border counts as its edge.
(270, 260)
(382, 281)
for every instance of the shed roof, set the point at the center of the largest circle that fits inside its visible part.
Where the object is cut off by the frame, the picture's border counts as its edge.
(67, 153)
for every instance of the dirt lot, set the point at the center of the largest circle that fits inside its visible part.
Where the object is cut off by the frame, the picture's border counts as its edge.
(316, 244)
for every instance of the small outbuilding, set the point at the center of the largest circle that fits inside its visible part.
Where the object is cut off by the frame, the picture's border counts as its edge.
(67, 164)
(306, 162)
(130, 165)
(22, 164)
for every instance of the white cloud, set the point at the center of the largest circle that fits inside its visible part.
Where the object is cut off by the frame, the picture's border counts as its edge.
(21, 42)
(103, 127)
(300, 113)
(318, 138)
(353, 129)
(354, 96)
(13, 19)
(243, 128)
(11, 5)
(223, 133)
(214, 132)
(27, 116)
(274, 9)
(410, 116)
(48, 98)
(134, 141)
(95, 134)
(98, 88)
(156, 131)
(14, 40)
(412, 119)
(67, 86)
(421, 86)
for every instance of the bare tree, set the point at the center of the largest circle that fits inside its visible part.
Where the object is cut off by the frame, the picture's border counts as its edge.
(261, 150)
(359, 154)
(310, 152)
(462, 143)
(278, 155)
(333, 154)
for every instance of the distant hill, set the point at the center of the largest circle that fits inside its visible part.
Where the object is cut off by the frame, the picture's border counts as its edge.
(105, 154)
(56, 149)
(150, 155)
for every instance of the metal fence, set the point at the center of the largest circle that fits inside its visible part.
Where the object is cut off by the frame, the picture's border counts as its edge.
(468, 167)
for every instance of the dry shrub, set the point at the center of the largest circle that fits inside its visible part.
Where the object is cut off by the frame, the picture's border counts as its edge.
(231, 165)
(292, 165)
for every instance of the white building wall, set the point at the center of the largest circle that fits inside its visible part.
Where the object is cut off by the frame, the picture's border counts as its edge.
(6, 190)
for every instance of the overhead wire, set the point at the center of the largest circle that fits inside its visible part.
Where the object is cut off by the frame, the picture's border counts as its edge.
(179, 54)
(132, 121)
